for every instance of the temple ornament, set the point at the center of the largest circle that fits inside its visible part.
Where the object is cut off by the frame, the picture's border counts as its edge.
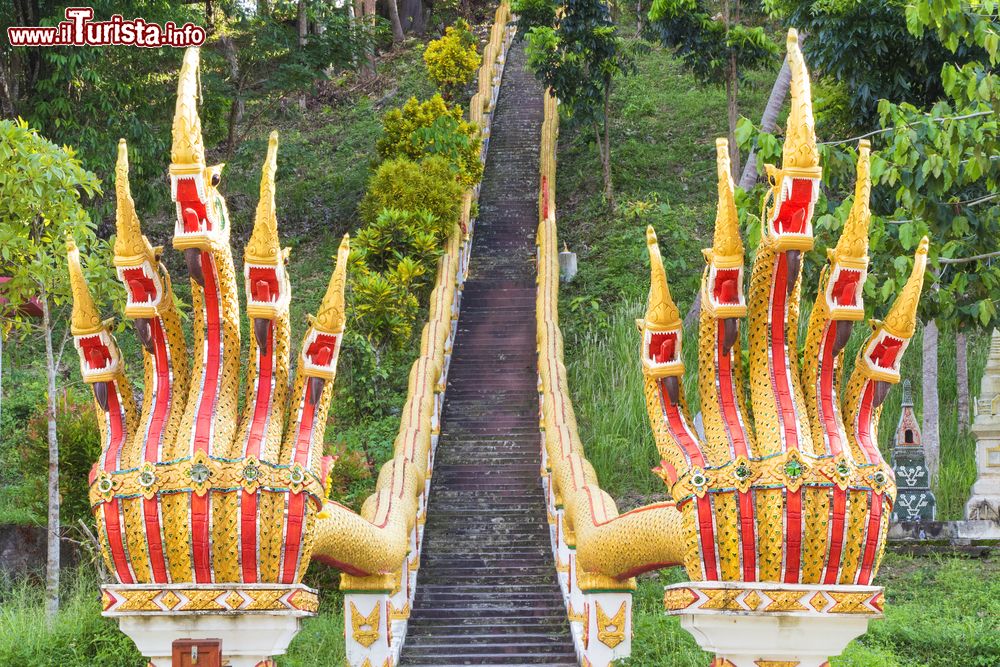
(209, 513)
(783, 506)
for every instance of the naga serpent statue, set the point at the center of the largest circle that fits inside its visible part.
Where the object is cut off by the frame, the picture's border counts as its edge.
(783, 505)
(787, 484)
(190, 487)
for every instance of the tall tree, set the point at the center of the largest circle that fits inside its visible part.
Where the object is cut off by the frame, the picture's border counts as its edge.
(40, 188)
(935, 173)
(718, 48)
(579, 59)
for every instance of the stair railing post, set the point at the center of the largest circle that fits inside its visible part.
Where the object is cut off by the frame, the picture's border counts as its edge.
(367, 622)
(607, 617)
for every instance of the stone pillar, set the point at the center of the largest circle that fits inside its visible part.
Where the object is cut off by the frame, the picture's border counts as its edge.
(914, 500)
(984, 503)
(765, 624)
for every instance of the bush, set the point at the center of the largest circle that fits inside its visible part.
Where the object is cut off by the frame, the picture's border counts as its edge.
(401, 183)
(79, 447)
(384, 309)
(532, 13)
(430, 128)
(396, 236)
(452, 61)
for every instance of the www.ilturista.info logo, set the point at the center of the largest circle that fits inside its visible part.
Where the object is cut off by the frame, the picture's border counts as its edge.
(79, 30)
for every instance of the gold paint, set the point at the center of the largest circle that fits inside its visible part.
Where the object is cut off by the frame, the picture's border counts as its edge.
(187, 150)
(86, 319)
(365, 629)
(610, 630)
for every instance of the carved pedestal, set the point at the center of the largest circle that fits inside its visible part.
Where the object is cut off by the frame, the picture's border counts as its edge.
(253, 621)
(773, 625)
(984, 503)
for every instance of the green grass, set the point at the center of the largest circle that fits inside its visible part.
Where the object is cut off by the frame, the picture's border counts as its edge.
(80, 637)
(940, 612)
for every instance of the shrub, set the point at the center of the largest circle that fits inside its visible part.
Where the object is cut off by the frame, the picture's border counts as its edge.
(452, 60)
(432, 128)
(396, 236)
(384, 309)
(79, 447)
(533, 13)
(403, 184)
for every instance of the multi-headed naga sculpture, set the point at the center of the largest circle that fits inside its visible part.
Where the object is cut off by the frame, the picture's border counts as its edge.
(789, 486)
(189, 487)
(782, 506)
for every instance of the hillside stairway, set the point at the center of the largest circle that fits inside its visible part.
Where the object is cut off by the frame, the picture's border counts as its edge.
(487, 591)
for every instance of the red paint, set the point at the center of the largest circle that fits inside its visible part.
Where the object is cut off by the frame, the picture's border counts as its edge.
(264, 285)
(200, 506)
(154, 435)
(662, 346)
(293, 535)
(95, 352)
(140, 286)
(297, 501)
(727, 397)
(727, 286)
(793, 535)
(845, 290)
(838, 525)
(872, 538)
(213, 334)
(193, 209)
(863, 431)
(748, 536)
(792, 216)
(112, 508)
(826, 400)
(706, 530)
(255, 438)
(200, 542)
(779, 357)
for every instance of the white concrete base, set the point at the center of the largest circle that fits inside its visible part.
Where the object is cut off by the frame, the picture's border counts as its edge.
(247, 640)
(749, 641)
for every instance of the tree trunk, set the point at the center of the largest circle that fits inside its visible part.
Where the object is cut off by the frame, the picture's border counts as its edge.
(52, 564)
(237, 108)
(397, 27)
(732, 106)
(302, 19)
(962, 380)
(609, 193)
(769, 120)
(412, 16)
(929, 428)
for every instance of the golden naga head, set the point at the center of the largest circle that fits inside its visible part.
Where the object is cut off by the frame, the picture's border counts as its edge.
(722, 295)
(136, 260)
(201, 213)
(849, 259)
(795, 187)
(884, 351)
(100, 360)
(322, 344)
(267, 286)
(662, 327)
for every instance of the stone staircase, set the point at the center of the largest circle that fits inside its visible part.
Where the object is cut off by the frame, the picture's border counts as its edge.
(487, 592)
